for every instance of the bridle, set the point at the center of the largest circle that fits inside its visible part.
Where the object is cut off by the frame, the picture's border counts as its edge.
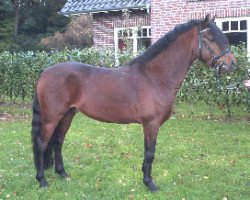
(215, 59)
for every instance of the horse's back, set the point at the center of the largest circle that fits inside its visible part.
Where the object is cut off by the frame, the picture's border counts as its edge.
(104, 94)
(60, 79)
(65, 69)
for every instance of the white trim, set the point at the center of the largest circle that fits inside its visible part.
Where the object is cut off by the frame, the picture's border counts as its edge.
(134, 37)
(116, 46)
(219, 22)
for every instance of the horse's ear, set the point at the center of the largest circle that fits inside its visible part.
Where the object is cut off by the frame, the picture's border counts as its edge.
(205, 22)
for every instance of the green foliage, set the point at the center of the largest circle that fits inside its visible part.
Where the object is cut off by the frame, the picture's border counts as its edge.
(6, 28)
(77, 34)
(203, 84)
(19, 72)
(6, 25)
(6, 9)
(127, 53)
(33, 20)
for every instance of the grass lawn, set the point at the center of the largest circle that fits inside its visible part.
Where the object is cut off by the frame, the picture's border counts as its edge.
(195, 158)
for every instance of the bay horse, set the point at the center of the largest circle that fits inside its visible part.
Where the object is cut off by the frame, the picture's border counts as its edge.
(142, 91)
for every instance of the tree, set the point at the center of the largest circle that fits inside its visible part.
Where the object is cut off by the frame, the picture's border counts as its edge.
(17, 9)
(24, 22)
(78, 34)
(6, 24)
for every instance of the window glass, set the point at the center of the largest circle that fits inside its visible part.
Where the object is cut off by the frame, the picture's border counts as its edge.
(138, 38)
(225, 26)
(237, 30)
(139, 33)
(234, 25)
(145, 32)
(236, 38)
(143, 43)
(243, 25)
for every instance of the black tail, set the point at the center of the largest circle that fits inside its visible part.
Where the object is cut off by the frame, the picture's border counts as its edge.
(36, 135)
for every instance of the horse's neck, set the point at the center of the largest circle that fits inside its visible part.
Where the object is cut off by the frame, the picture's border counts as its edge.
(170, 66)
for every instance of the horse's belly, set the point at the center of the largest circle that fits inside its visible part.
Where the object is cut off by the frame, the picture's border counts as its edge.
(109, 111)
(106, 115)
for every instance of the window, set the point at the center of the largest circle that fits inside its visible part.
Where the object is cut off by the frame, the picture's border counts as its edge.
(143, 38)
(236, 29)
(137, 37)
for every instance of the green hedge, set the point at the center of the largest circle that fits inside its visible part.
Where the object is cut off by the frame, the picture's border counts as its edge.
(225, 91)
(19, 72)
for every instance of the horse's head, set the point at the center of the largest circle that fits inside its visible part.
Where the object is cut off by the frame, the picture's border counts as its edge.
(214, 47)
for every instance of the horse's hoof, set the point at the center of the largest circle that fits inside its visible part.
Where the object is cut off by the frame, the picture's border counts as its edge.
(62, 173)
(43, 183)
(151, 186)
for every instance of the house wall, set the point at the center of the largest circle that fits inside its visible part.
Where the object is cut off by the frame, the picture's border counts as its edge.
(104, 24)
(166, 14)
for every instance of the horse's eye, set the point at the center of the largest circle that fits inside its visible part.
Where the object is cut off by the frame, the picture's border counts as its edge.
(211, 39)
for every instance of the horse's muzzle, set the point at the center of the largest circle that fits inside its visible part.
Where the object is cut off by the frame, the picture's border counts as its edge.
(223, 68)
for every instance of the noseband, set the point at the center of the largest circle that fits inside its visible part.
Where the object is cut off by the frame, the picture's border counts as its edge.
(215, 58)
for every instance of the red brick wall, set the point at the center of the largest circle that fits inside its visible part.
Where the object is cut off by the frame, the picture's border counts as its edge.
(166, 14)
(104, 24)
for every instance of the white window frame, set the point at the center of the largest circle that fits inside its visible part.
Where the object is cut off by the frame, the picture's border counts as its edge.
(219, 22)
(134, 37)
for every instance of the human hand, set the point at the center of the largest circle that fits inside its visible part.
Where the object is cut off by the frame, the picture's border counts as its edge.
(247, 83)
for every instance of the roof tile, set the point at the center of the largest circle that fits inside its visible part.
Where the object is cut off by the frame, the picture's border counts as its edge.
(93, 6)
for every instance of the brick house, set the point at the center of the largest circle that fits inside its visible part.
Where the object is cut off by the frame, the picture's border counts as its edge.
(148, 20)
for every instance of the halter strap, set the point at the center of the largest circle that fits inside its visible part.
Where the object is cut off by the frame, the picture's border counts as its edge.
(201, 40)
(204, 30)
(213, 56)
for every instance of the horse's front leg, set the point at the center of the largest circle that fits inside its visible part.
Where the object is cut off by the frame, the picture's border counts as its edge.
(150, 135)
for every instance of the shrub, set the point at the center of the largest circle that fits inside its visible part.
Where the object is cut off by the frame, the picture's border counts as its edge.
(202, 83)
(19, 72)
(78, 34)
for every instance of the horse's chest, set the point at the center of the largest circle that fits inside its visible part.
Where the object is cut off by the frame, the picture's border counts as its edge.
(157, 106)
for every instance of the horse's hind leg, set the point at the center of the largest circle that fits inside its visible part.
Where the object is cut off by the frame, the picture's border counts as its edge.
(58, 139)
(42, 146)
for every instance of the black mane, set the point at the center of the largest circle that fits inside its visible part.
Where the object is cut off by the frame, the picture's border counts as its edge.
(164, 42)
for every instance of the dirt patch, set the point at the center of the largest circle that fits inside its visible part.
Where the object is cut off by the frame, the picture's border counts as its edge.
(16, 105)
(5, 117)
(15, 111)
(14, 117)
